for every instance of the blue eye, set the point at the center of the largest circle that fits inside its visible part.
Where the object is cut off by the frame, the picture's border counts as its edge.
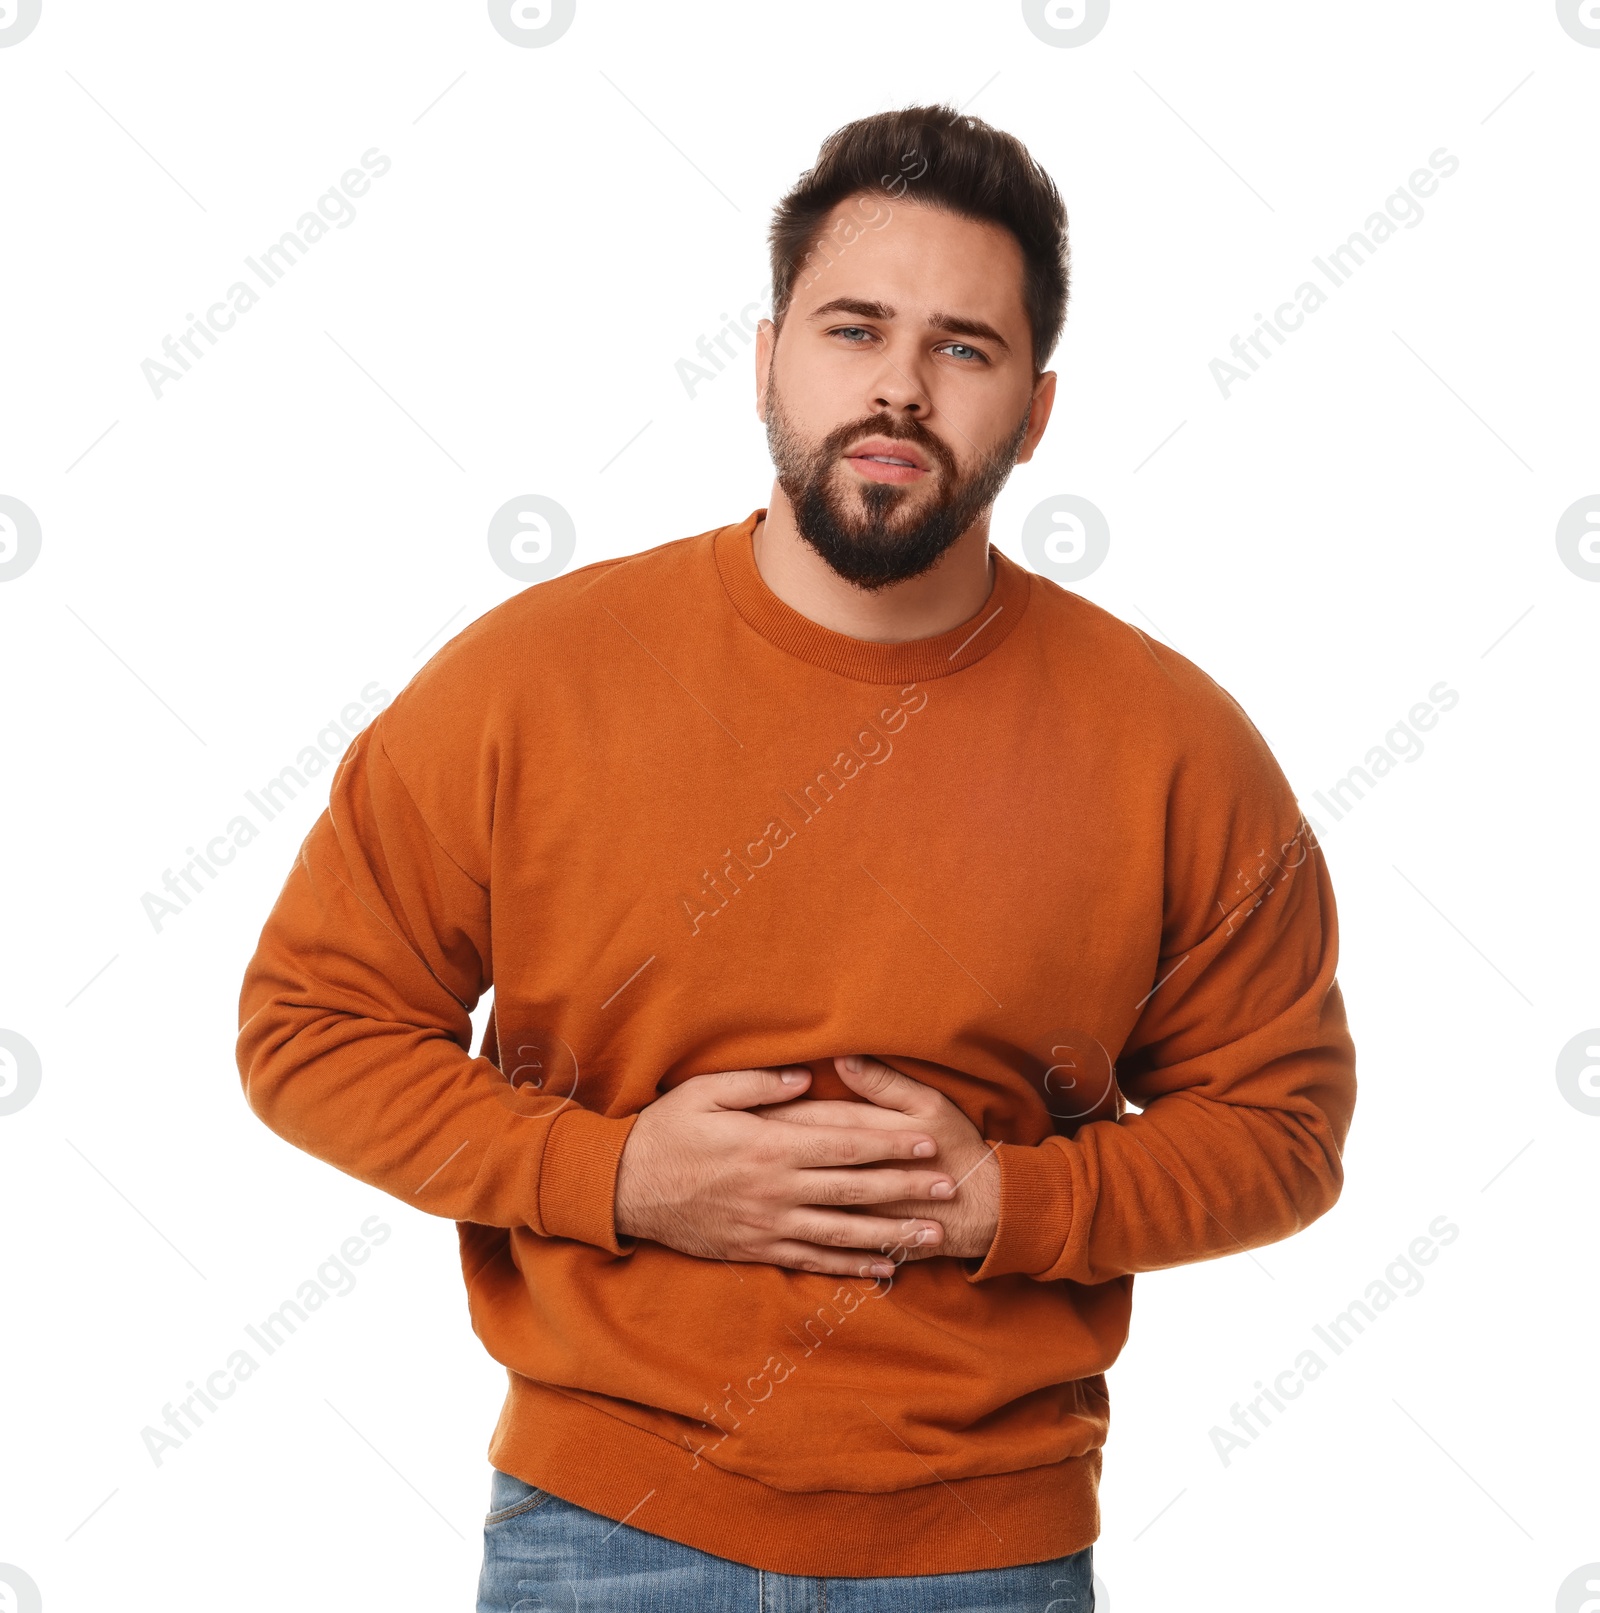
(967, 354)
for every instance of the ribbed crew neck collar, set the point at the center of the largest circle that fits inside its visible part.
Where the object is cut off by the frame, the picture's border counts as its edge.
(911, 661)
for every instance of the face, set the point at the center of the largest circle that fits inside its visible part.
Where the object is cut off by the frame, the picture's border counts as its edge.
(900, 391)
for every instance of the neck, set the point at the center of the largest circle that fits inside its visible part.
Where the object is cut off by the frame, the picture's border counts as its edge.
(949, 593)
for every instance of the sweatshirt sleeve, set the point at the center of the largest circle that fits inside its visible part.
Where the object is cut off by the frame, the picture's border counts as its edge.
(1240, 1058)
(355, 1029)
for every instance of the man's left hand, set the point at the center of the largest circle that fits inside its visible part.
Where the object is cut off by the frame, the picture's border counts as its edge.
(971, 1216)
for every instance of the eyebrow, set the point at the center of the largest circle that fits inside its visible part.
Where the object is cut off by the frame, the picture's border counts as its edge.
(955, 324)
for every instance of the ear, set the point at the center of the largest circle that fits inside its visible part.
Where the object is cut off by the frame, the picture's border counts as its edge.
(766, 343)
(1044, 397)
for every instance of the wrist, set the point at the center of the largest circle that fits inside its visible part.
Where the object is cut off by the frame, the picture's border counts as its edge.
(578, 1176)
(984, 1186)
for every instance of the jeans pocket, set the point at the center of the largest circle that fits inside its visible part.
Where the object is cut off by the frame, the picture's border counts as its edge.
(510, 1497)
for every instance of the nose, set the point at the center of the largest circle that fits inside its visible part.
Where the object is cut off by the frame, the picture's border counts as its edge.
(896, 389)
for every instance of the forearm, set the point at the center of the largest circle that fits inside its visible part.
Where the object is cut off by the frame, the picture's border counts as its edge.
(1188, 1180)
(1245, 1068)
(408, 1111)
(355, 1024)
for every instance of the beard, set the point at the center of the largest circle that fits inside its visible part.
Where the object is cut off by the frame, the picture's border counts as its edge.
(876, 533)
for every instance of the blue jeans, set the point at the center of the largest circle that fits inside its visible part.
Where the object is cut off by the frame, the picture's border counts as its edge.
(545, 1555)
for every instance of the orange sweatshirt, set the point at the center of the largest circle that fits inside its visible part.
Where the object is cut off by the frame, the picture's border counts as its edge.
(1040, 862)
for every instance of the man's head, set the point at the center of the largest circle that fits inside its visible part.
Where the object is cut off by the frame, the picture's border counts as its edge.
(919, 277)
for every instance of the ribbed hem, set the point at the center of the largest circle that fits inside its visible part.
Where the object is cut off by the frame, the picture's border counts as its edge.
(1035, 1212)
(911, 661)
(578, 1177)
(595, 1461)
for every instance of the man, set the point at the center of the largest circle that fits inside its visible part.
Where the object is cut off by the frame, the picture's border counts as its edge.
(840, 883)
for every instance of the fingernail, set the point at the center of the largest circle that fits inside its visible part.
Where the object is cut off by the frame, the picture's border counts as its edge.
(881, 1270)
(927, 1235)
(942, 1190)
(922, 1150)
(793, 1078)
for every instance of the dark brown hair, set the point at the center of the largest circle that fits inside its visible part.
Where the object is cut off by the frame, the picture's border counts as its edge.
(937, 156)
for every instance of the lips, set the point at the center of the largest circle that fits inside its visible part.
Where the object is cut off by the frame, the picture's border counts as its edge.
(882, 450)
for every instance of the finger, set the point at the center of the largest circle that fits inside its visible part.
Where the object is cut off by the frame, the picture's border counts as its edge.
(834, 1112)
(880, 1234)
(744, 1089)
(879, 1185)
(808, 1147)
(832, 1262)
(879, 1084)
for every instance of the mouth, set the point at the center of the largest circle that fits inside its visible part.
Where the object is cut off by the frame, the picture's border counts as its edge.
(881, 461)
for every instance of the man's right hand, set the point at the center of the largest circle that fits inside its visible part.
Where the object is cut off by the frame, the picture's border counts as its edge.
(700, 1175)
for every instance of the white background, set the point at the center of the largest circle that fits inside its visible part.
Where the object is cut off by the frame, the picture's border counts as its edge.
(225, 567)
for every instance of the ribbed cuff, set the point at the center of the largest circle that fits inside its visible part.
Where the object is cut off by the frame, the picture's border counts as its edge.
(578, 1177)
(1035, 1212)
